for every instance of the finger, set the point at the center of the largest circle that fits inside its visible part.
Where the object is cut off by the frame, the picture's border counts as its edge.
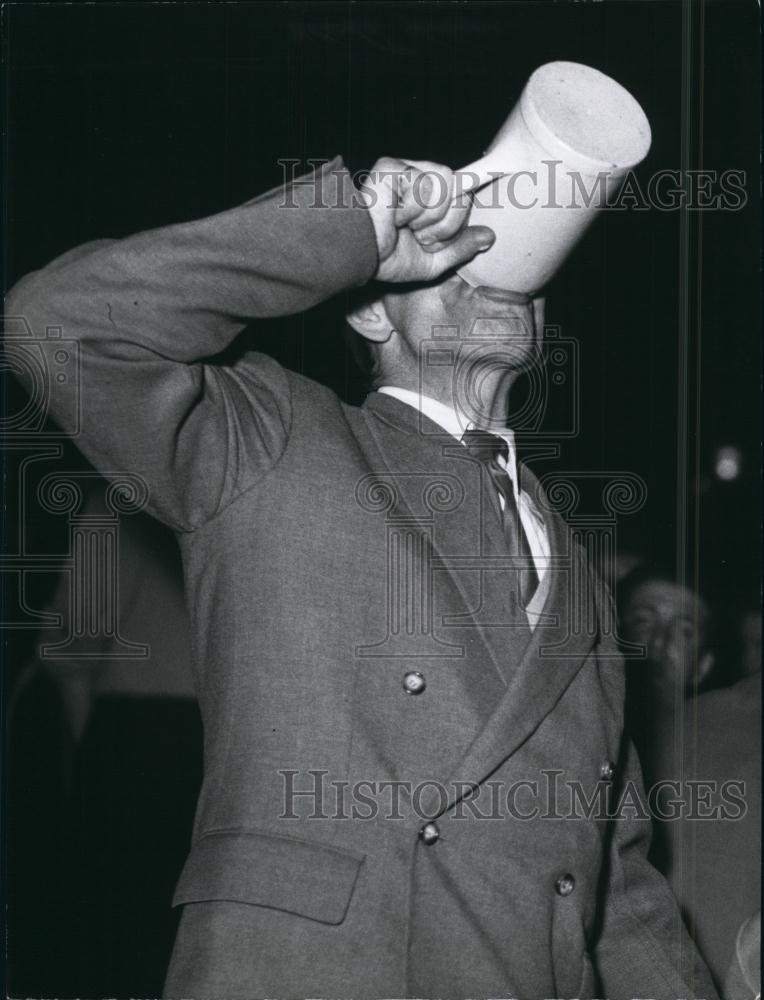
(414, 190)
(447, 228)
(385, 181)
(467, 245)
(432, 190)
(458, 199)
(378, 195)
(425, 165)
(432, 246)
(451, 221)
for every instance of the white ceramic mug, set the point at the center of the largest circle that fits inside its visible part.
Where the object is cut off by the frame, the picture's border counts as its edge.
(564, 150)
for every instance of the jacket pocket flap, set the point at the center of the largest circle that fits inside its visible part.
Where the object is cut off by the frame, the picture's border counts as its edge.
(265, 869)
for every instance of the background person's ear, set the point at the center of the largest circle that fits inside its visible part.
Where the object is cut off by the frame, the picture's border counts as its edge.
(705, 665)
(371, 321)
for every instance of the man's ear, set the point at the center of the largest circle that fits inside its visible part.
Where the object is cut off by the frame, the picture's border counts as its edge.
(372, 322)
(705, 665)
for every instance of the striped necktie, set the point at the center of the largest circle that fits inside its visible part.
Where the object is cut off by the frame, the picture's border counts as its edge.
(487, 448)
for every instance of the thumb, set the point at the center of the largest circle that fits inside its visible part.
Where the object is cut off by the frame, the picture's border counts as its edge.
(469, 243)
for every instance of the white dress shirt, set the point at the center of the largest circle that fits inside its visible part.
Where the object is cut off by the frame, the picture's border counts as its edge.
(532, 520)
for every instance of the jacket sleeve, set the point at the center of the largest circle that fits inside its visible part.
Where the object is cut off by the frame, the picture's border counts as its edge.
(145, 312)
(642, 948)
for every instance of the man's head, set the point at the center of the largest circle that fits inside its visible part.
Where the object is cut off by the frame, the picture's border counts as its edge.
(448, 339)
(480, 337)
(672, 622)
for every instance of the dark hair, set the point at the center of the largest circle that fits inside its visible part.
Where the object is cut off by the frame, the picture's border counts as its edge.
(645, 573)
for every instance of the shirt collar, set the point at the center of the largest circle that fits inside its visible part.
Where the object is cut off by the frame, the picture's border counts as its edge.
(453, 422)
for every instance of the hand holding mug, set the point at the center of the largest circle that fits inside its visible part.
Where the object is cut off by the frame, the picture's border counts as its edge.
(421, 228)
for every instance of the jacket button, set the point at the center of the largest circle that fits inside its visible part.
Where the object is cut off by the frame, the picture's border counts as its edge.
(565, 885)
(429, 833)
(414, 682)
(607, 770)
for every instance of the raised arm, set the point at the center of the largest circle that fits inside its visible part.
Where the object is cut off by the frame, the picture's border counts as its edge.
(146, 311)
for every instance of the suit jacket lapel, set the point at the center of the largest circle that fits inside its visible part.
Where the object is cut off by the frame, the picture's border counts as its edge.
(418, 455)
(555, 654)
(401, 438)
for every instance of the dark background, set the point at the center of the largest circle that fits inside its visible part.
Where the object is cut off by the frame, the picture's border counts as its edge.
(124, 117)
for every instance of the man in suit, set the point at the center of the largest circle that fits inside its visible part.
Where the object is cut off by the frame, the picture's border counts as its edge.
(387, 667)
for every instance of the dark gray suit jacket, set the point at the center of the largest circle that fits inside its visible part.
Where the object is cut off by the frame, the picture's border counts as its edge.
(328, 551)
